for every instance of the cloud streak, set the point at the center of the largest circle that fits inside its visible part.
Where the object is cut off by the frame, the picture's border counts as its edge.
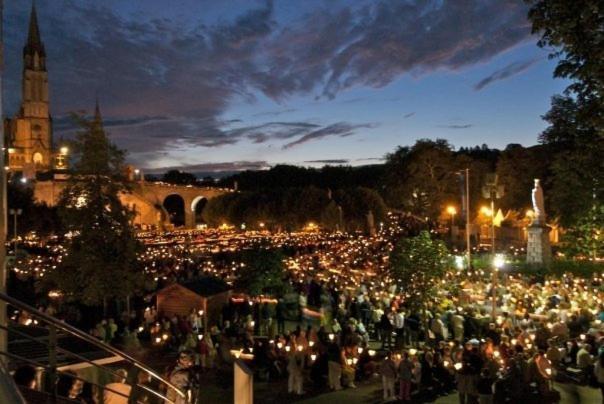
(340, 129)
(457, 126)
(508, 71)
(229, 166)
(329, 161)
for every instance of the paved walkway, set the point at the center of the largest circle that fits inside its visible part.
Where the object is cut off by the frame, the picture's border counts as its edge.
(365, 394)
(372, 394)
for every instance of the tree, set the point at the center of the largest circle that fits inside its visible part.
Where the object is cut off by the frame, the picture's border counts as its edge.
(101, 260)
(517, 168)
(576, 132)
(178, 177)
(356, 203)
(421, 179)
(417, 265)
(263, 273)
(577, 168)
(574, 31)
(586, 238)
(36, 217)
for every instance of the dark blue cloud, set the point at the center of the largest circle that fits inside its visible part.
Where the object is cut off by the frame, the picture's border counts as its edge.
(166, 85)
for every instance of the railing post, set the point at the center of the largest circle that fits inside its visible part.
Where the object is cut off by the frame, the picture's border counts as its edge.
(243, 383)
(3, 229)
(52, 362)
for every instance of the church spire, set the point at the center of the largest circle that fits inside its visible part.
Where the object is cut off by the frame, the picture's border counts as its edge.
(33, 37)
(98, 119)
(34, 42)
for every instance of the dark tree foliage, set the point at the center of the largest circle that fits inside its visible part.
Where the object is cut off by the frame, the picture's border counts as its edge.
(516, 170)
(422, 178)
(480, 165)
(577, 166)
(178, 177)
(483, 153)
(263, 273)
(293, 208)
(573, 30)
(101, 261)
(42, 219)
(286, 176)
(356, 203)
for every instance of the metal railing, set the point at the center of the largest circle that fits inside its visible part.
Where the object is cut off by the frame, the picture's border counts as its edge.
(8, 389)
(166, 391)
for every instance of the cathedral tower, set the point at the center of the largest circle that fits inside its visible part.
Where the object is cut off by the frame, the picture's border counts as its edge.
(30, 141)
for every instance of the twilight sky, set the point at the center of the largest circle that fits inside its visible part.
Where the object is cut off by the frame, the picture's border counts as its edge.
(224, 84)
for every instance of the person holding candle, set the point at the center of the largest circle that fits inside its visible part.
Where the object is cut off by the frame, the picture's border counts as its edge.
(334, 365)
(295, 368)
(405, 375)
(485, 387)
(388, 372)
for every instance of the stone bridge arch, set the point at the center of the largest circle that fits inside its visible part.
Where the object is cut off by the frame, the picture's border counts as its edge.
(194, 198)
(175, 209)
(197, 206)
(146, 198)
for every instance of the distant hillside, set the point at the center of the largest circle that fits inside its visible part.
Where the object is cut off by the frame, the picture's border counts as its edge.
(287, 176)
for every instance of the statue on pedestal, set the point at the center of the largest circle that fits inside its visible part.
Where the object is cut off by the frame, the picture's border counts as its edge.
(538, 205)
(538, 249)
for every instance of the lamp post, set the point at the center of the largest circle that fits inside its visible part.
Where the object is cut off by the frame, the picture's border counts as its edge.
(466, 207)
(15, 213)
(3, 176)
(498, 262)
(490, 212)
(492, 190)
(493, 226)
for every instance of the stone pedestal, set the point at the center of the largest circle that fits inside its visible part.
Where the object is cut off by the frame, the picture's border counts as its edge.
(538, 249)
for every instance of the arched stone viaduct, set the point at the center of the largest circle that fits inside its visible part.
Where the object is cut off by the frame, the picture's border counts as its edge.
(146, 198)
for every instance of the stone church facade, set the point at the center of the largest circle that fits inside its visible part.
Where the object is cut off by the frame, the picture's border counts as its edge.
(29, 133)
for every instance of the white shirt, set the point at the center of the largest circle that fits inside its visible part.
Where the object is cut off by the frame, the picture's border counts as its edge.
(399, 320)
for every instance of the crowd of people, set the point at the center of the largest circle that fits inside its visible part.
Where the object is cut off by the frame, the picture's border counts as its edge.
(345, 321)
(543, 331)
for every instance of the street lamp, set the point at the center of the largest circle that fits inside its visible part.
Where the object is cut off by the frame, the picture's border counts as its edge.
(62, 157)
(452, 211)
(15, 213)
